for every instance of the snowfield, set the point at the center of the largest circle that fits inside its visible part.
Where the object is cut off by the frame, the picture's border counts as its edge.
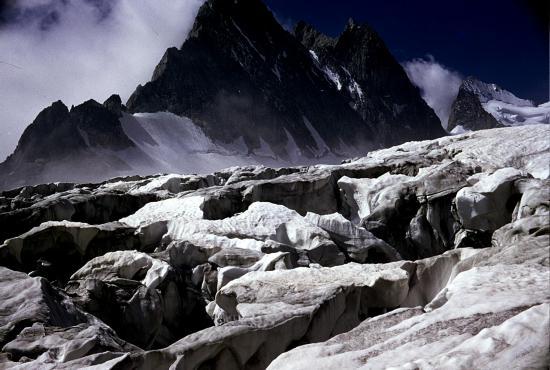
(428, 255)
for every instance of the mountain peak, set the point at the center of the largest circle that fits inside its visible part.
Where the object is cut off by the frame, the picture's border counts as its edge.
(216, 15)
(351, 23)
(480, 105)
(45, 122)
(114, 104)
(491, 91)
(311, 38)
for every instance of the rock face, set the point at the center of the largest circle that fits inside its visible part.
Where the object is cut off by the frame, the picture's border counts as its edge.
(480, 106)
(467, 113)
(432, 253)
(243, 75)
(275, 80)
(240, 90)
(60, 138)
(363, 70)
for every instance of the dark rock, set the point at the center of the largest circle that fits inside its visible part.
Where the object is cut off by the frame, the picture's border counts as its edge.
(274, 79)
(241, 75)
(58, 138)
(373, 82)
(468, 112)
(114, 104)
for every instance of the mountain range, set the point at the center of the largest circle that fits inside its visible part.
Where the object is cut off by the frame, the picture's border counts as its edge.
(241, 90)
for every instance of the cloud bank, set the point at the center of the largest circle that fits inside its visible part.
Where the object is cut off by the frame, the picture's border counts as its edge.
(80, 49)
(439, 85)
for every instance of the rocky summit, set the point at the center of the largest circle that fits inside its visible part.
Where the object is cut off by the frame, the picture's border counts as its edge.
(431, 254)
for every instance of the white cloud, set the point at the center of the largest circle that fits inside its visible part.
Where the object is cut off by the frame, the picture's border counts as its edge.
(439, 85)
(82, 53)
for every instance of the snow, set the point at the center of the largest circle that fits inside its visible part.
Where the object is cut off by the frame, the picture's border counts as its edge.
(276, 72)
(507, 108)
(505, 287)
(508, 328)
(172, 144)
(264, 150)
(291, 292)
(125, 265)
(267, 263)
(292, 149)
(333, 76)
(175, 144)
(490, 183)
(523, 147)
(314, 55)
(363, 195)
(354, 88)
(164, 210)
(355, 241)
(459, 129)
(84, 136)
(512, 115)
(237, 146)
(158, 183)
(487, 92)
(249, 230)
(507, 345)
(322, 147)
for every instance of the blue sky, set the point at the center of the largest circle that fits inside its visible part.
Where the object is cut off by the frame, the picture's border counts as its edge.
(500, 41)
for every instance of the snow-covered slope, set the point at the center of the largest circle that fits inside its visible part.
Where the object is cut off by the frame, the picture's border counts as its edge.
(105, 144)
(510, 114)
(481, 105)
(489, 91)
(177, 144)
(508, 109)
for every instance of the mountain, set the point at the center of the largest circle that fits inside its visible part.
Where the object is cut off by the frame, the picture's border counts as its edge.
(375, 84)
(271, 85)
(63, 144)
(240, 90)
(480, 105)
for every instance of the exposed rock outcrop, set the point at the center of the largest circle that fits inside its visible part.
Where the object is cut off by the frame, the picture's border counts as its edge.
(481, 105)
(363, 70)
(467, 112)
(59, 139)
